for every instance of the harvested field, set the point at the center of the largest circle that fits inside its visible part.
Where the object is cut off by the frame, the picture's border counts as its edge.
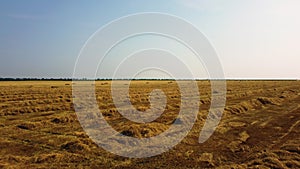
(260, 127)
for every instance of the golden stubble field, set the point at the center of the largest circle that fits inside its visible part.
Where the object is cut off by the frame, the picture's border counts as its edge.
(260, 127)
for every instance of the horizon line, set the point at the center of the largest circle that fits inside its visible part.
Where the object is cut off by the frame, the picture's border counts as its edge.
(134, 79)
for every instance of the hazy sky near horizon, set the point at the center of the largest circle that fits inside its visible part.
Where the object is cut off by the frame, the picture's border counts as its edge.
(253, 38)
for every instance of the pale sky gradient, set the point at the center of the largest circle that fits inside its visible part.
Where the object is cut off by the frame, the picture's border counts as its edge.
(253, 38)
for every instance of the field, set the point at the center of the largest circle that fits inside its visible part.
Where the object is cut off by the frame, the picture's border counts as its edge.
(260, 127)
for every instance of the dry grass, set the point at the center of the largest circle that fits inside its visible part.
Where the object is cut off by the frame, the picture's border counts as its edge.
(259, 128)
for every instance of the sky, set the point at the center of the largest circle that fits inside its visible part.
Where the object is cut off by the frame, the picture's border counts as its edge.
(253, 38)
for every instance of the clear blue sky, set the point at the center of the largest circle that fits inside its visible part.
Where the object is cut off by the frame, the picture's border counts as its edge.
(253, 38)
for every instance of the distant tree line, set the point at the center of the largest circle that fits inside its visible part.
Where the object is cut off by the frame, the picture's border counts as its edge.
(35, 79)
(78, 79)
(110, 79)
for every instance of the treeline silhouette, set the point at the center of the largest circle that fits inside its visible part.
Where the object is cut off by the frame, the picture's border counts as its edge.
(145, 79)
(35, 79)
(71, 79)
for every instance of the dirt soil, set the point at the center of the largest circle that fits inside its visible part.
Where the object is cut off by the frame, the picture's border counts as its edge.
(260, 127)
